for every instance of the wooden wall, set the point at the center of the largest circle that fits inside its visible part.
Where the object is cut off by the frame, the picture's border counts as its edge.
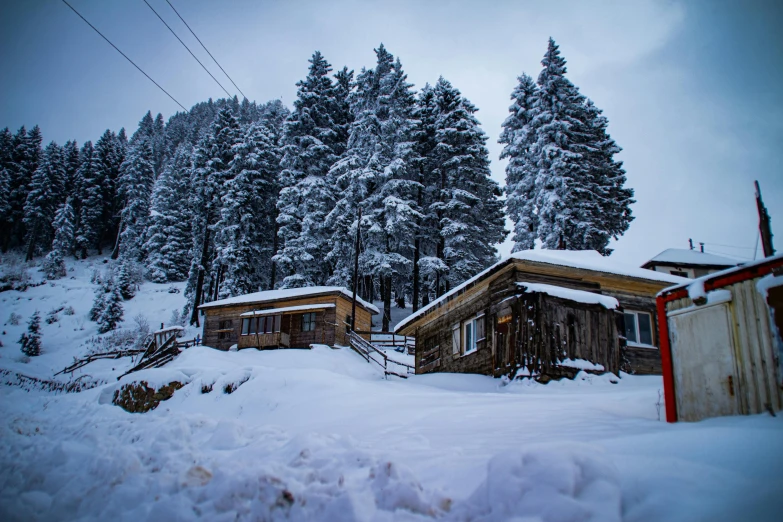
(325, 331)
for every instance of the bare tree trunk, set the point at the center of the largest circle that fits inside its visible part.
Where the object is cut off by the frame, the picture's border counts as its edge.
(31, 243)
(387, 287)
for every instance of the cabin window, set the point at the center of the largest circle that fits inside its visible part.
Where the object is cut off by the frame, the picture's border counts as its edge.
(638, 328)
(224, 329)
(246, 325)
(261, 325)
(678, 273)
(473, 333)
(308, 322)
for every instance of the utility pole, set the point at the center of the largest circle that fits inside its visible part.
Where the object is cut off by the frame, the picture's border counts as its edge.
(355, 270)
(764, 226)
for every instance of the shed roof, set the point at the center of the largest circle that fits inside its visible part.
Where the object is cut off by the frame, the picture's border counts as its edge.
(683, 256)
(589, 260)
(287, 309)
(289, 293)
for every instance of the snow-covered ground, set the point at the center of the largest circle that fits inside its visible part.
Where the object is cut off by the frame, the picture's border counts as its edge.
(320, 435)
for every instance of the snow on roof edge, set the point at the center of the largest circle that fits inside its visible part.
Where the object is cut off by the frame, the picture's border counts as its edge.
(684, 256)
(298, 308)
(570, 294)
(548, 257)
(288, 293)
(703, 279)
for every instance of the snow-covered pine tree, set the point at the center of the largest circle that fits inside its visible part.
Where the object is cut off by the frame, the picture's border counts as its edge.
(6, 166)
(111, 313)
(125, 281)
(98, 302)
(42, 200)
(111, 169)
(136, 180)
(89, 191)
(377, 174)
(169, 237)
(577, 175)
(211, 168)
(243, 241)
(26, 153)
(72, 162)
(30, 340)
(518, 136)
(64, 233)
(471, 215)
(310, 147)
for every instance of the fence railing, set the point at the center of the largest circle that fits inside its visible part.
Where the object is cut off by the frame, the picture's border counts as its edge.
(373, 355)
(390, 340)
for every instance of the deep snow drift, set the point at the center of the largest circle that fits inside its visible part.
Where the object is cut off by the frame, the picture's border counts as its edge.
(320, 435)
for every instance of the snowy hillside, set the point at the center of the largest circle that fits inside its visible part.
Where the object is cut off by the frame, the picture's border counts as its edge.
(320, 435)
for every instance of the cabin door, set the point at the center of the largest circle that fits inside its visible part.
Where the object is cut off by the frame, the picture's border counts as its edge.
(503, 344)
(705, 376)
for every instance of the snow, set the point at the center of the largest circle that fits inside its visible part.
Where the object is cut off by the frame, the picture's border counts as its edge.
(581, 364)
(582, 259)
(299, 308)
(579, 296)
(768, 281)
(169, 329)
(288, 293)
(320, 435)
(683, 256)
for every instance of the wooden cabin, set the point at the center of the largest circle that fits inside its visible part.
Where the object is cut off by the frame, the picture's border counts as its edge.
(721, 343)
(545, 313)
(290, 318)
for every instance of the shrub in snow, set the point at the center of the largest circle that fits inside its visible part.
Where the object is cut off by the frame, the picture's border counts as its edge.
(53, 265)
(52, 317)
(68, 310)
(112, 311)
(139, 397)
(98, 303)
(141, 330)
(116, 340)
(31, 339)
(14, 319)
(231, 387)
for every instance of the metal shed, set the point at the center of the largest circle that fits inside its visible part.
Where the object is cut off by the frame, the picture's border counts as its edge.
(721, 348)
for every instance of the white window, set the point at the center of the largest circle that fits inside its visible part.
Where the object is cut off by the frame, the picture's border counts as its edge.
(472, 334)
(638, 328)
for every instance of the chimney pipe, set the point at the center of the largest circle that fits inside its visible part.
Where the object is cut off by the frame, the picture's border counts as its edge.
(701, 247)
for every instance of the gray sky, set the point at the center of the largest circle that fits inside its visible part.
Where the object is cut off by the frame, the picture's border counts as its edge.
(691, 90)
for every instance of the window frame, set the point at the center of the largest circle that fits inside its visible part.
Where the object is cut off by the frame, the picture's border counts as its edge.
(472, 335)
(637, 330)
(308, 322)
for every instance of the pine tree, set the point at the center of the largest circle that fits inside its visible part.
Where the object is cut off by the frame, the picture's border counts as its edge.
(41, 203)
(25, 155)
(64, 228)
(471, 217)
(6, 164)
(169, 239)
(112, 312)
(244, 232)
(125, 281)
(564, 186)
(89, 183)
(31, 340)
(211, 169)
(136, 181)
(310, 147)
(72, 162)
(519, 136)
(99, 301)
(377, 175)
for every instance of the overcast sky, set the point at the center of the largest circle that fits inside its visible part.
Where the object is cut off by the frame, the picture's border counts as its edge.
(692, 90)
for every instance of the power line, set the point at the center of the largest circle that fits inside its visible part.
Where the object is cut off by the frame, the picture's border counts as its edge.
(125, 56)
(186, 47)
(729, 246)
(205, 48)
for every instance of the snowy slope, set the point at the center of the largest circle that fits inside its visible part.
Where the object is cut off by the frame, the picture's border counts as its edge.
(320, 435)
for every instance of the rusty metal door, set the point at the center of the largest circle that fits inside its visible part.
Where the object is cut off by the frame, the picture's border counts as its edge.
(703, 360)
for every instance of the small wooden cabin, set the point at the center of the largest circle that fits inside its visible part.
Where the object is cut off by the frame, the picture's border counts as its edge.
(539, 312)
(721, 343)
(290, 318)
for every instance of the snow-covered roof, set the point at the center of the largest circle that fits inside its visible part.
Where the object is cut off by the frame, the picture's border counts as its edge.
(579, 296)
(289, 293)
(287, 309)
(683, 256)
(697, 285)
(582, 259)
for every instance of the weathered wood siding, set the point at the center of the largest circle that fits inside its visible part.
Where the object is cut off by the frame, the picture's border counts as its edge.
(330, 323)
